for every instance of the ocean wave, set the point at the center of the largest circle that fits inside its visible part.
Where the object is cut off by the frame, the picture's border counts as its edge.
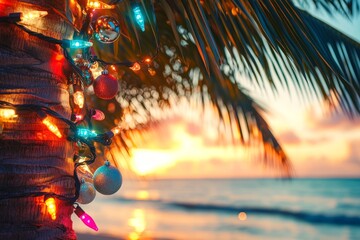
(310, 217)
(348, 206)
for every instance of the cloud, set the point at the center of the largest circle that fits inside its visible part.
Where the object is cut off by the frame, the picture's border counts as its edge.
(323, 167)
(172, 132)
(318, 140)
(163, 135)
(325, 149)
(354, 153)
(332, 121)
(193, 129)
(289, 137)
(218, 168)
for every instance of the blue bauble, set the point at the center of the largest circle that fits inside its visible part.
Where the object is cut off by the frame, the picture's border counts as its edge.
(107, 179)
(87, 193)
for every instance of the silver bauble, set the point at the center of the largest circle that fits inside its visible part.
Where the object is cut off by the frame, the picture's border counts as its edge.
(107, 179)
(106, 29)
(87, 193)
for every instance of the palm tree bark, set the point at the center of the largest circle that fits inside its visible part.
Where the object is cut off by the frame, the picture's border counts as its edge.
(32, 159)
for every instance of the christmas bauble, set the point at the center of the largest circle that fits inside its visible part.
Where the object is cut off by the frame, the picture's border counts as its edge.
(106, 29)
(87, 193)
(105, 86)
(107, 179)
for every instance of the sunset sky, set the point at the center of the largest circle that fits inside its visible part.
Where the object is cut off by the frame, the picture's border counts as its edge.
(319, 143)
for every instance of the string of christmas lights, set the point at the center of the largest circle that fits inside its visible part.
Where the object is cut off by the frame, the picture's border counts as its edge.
(84, 191)
(88, 70)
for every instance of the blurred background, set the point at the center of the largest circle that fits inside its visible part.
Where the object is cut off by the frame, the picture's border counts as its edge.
(190, 183)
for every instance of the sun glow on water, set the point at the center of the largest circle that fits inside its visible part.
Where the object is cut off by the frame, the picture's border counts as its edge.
(138, 224)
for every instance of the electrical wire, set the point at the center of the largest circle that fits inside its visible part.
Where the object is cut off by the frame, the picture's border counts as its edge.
(104, 139)
(126, 63)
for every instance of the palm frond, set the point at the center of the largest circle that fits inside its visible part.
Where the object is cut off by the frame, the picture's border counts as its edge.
(203, 45)
(272, 34)
(345, 7)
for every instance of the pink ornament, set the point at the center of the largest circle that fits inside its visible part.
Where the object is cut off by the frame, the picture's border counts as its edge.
(105, 86)
(85, 218)
(98, 115)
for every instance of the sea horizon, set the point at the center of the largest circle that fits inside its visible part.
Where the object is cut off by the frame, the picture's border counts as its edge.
(301, 208)
(146, 178)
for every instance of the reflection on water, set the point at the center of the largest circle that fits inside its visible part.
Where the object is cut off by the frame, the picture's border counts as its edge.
(229, 209)
(138, 224)
(242, 216)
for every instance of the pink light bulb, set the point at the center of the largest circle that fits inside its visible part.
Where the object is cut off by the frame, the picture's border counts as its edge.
(78, 117)
(98, 115)
(85, 218)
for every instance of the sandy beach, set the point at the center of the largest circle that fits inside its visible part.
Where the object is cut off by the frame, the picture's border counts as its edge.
(85, 236)
(82, 236)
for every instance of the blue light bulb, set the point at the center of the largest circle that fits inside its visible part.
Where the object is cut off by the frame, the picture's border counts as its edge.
(85, 133)
(139, 18)
(80, 44)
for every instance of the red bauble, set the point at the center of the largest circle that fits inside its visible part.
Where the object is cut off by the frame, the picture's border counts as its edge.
(106, 86)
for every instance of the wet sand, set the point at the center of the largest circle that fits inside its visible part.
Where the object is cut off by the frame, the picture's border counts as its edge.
(83, 236)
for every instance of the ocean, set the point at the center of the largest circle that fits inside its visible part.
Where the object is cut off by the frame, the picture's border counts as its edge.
(229, 209)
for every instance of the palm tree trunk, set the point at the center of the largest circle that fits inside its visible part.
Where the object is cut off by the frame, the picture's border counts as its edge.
(32, 159)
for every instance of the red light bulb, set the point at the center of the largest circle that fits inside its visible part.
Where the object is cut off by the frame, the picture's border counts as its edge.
(85, 218)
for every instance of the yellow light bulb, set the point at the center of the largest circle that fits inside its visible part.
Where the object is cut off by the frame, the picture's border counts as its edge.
(51, 207)
(135, 67)
(116, 130)
(79, 99)
(99, 5)
(7, 113)
(52, 127)
(33, 15)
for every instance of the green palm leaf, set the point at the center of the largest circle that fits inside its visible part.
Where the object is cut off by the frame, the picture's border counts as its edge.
(345, 7)
(205, 45)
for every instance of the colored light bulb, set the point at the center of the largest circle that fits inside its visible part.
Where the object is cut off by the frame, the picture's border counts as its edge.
(116, 130)
(78, 117)
(6, 113)
(135, 67)
(85, 133)
(79, 44)
(79, 98)
(33, 15)
(139, 18)
(51, 207)
(98, 5)
(51, 126)
(98, 115)
(85, 218)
